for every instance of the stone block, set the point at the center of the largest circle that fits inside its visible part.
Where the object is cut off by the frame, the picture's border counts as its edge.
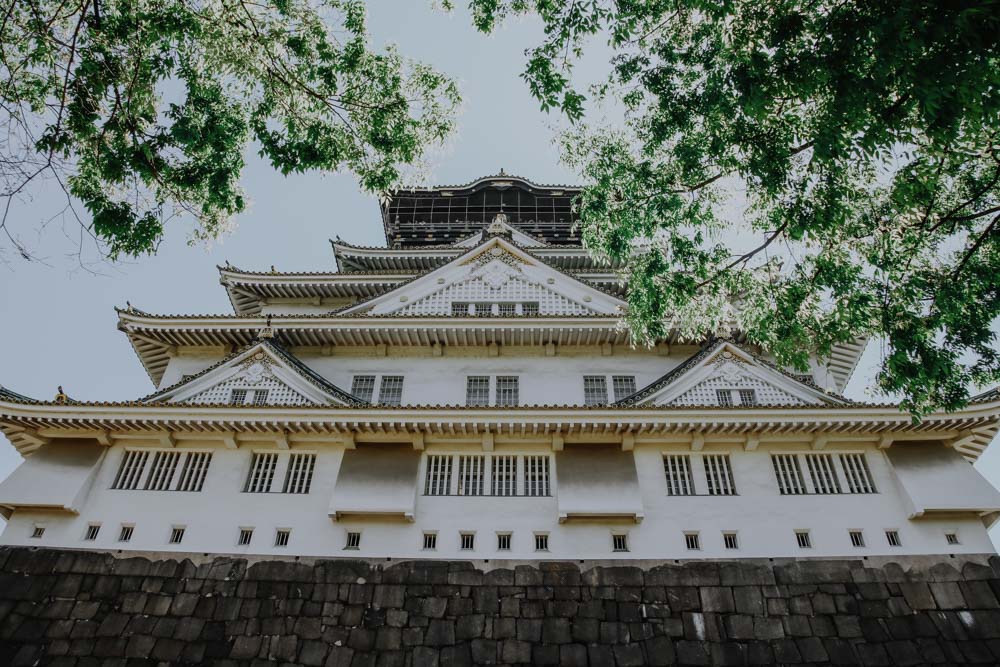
(693, 653)
(947, 594)
(572, 655)
(918, 595)
(515, 651)
(426, 657)
(749, 600)
(440, 633)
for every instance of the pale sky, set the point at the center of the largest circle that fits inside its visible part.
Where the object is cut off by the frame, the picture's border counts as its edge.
(58, 321)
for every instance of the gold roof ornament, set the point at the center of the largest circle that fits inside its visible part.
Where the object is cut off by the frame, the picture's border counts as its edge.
(61, 397)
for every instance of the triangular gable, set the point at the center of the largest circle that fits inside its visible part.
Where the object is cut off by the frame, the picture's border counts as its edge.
(500, 228)
(724, 368)
(494, 272)
(262, 374)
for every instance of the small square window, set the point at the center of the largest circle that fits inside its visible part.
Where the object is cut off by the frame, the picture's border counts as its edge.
(692, 541)
(37, 532)
(246, 535)
(363, 386)
(503, 541)
(748, 398)
(260, 396)
(353, 541)
(724, 397)
(430, 541)
(623, 385)
(281, 537)
(238, 396)
(467, 541)
(126, 533)
(951, 538)
(857, 538)
(619, 542)
(803, 539)
(176, 535)
(530, 308)
(92, 531)
(391, 390)
(892, 537)
(477, 390)
(541, 542)
(730, 541)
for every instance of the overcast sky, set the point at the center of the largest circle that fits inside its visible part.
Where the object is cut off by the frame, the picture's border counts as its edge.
(58, 321)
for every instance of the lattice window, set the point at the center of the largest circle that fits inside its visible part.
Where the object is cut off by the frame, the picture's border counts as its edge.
(238, 396)
(269, 391)
(692, 541)
(483, 309)
(718, 389)
(298, 478)
(391, 390)
(533, 298)
(260, 396)
(623, 385)
(719, 474)
(130, 470)
(504, 480)
(507, 390)
(821, 472)
(536, 475)
(533, 308)
(471, 474)
(595, 390)
(748, 397)
(437, 481)
(363, 386)
(678, 470)
(459, 308)
(724, 397)
(261, 473)
(194, 471)
(507, 309)
(162, 471)
(859, 477)
(788, 473)
(477, 390)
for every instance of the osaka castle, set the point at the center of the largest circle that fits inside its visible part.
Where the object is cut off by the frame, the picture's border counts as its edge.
(468, 392)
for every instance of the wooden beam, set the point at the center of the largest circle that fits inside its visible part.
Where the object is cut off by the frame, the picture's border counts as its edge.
(820, 441)
(885, 442)
(418, 441)
(557, 442)
(229, 440)
(488, 441)
(348, 440)
(697, 442)
(751, 444)
(628, 442)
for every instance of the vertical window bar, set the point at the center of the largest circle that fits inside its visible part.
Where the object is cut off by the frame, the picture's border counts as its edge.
(677, 468)
(859, 477)
(822, 474)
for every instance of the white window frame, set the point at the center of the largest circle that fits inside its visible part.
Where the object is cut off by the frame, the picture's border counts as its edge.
(893, 538)
(598, 384)
(365, 382)
(477, 391)
(622, 382)
(178, 532)
(352, 540)
(719, 474)
(692, 540)
(92, 532)
(282, 536)
(620, 542)
(384, 380)
(803, 538)
(730, 540)
(678, 475)
(37, 531)
(544, 537)
(857, 537)
(429, 540)
(510, 396)
(505, 536)
(467, 535)
(245, 536)
(125, 532)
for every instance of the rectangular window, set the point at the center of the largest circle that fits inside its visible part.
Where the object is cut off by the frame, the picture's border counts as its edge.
(821, 472)
(363, 386)
(298, 478)
(130, 470)
(459, 309)
(541, 542)
(125, 535)
(748, 398)
(260, 396)
(619, 542)
(471, 474)
(692, 541)
(892, 537)
(507, 390)
(530, 308)
(484, 309)
(788, 472)
(477, 391)
(803, 539)
(951, 538)
(595, 390)
(719, 474)
(467, 541)
(430, 541)
(623, 385)
(281, 537)
(508, 309)
(162, 471)
(678, 470)
(859, 477)
(261, 474)
(353, 541)
(238, 396)
(246, 534)
(193, 471)
(37, 532)
(438, 477)
(724, 397)
(92, 531)
(504, 479)
(857, 538)
(730, 541)
(503, 541)
(536, 475)
(176, 535)
(391, 390)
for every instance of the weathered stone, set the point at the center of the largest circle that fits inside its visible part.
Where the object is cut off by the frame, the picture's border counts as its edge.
(440, 633)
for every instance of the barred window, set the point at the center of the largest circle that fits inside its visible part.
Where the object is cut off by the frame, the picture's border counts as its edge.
(692, 541)
(162, 471)
(246, 535)
(788, 472)
(459, 308)
(803, 539)
(724, 397)
(438, 477)
(261, 474)
(92, 531)
(130, 470)
(857, 538)
(467, 541)
(951, 538)
(37, 532)
(363, 386)
(536, 475)
(504, 482)
(125, 535)
(730, 541)
(892, 537)
(678, 470)
(353, 541)
(260, 396)
(859, 477)
(298, 478)
(595, 390)
(821, 472)
(194, 471)
(623, 385)
(503, 541)
(719, 474)
(477, 390)
(430, 541)
(391, 390)
(619, 542)
(484, 309)
(238, 396)
(748, 397)
(541, 541)
(471, 471)
(508, 309)
(507, 390)
(176, 535)
(281, 537)
(530, 308)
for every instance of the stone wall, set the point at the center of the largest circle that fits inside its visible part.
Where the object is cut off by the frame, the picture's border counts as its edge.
(74, 607)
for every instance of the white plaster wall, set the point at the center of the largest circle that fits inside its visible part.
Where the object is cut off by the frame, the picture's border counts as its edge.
(764, 520)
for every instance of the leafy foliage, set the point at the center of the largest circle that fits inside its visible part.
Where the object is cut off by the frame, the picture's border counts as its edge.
(865, 136)
(142, 109)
